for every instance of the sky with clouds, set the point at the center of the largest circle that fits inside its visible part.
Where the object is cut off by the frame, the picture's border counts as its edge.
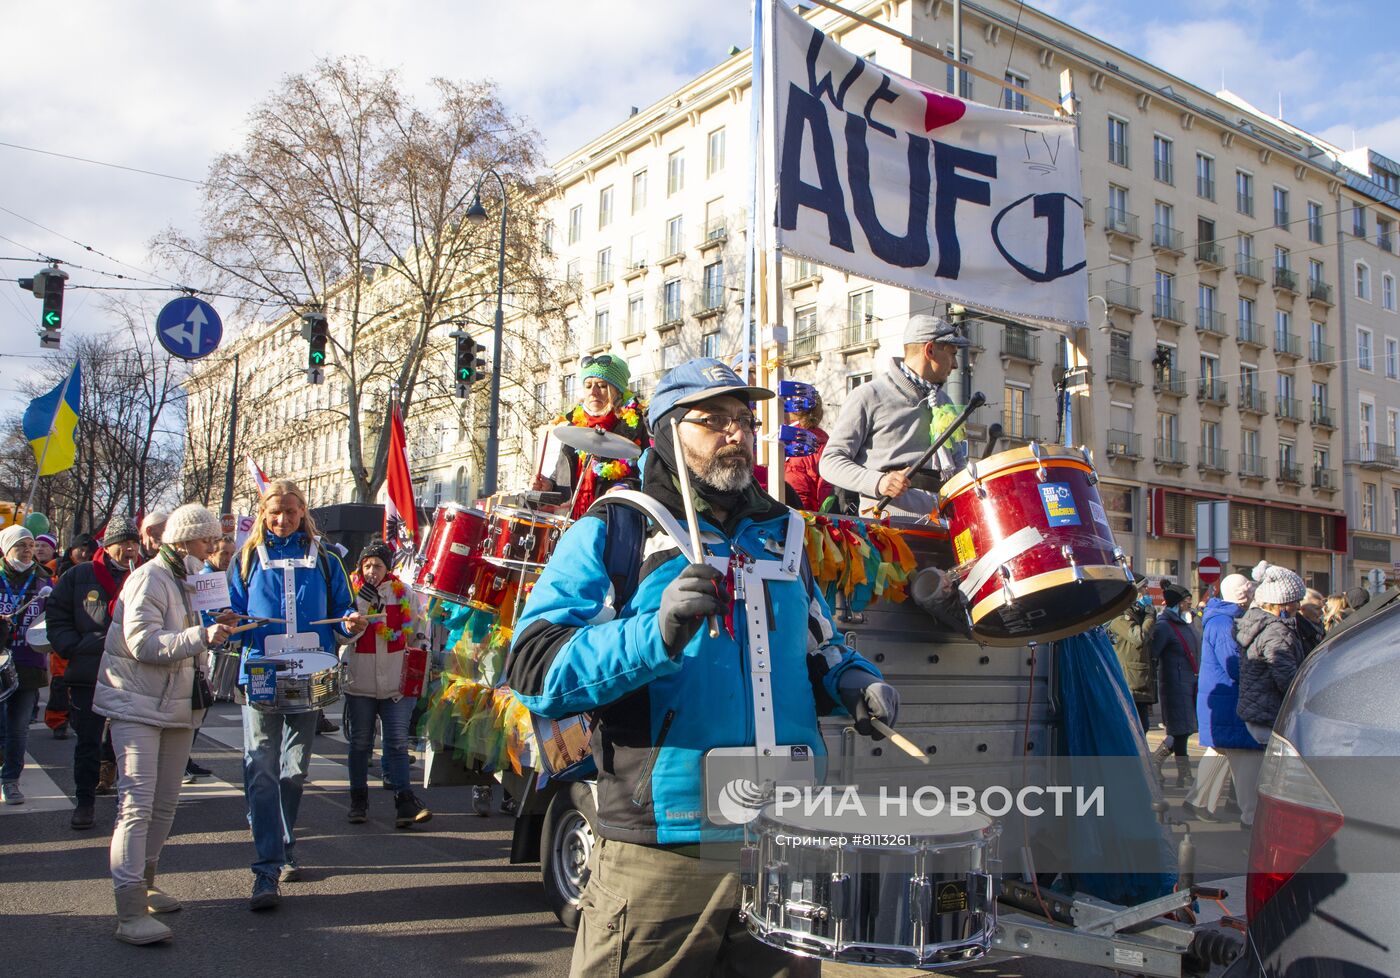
(164, 85)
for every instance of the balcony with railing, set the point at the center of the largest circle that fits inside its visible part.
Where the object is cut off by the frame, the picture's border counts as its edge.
(1253, 401)
(1124, 444)
(1249, 268)
(1018, 343)
(1315, 231)
(1165, 309)
(1374, 455)
(1124, 370)
(1319, 292)
(806, 345)
(1165, 451)
(1285, 279)
(1249, 333)
(1021, 427)
(1288, 345)
(714, 234)
(670, 312)
(1121, 223)
(975, 343)
(1322, 416)
(1321, 354)
(1210, 255)
(1210, 390)
(1213, 459)
(1167, 239)
(1288, 409)
(1210, 322)
(1385, 242)
(1205, 187)
(709, 301)
(1244, 203)
(1323, 479)
(1254, 467)
(1290, 473)
(1169, 381)
(1120, 295)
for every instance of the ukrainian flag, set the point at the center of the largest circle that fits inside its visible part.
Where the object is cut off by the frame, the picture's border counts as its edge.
(50, 423)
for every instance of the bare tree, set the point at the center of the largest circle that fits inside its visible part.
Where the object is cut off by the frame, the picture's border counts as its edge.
(349, 198)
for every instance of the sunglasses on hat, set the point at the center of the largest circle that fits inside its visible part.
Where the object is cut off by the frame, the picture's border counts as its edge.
(605, 360)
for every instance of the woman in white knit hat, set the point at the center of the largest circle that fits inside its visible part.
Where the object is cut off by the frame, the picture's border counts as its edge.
(1270, 649)
(149, 684)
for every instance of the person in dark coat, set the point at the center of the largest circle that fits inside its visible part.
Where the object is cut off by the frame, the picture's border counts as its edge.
(79, 612)
(1270, 649)
(1176, 648)
(1309, 620)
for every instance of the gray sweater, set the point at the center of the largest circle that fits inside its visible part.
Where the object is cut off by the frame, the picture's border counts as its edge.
(883, 425)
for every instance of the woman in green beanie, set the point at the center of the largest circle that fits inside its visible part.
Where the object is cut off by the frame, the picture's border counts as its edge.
(607, 403)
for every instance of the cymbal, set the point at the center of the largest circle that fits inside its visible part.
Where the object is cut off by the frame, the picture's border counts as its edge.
(595, 441)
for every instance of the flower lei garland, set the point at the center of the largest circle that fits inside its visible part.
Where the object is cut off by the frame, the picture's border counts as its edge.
(402, 599)
(630, 416)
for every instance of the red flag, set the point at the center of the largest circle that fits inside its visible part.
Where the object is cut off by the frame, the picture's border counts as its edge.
(255, 473)
(400, 513)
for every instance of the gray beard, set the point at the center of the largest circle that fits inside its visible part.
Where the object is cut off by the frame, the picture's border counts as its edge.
(727, 473)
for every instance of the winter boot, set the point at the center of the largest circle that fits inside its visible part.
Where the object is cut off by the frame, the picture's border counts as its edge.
(107, 778)
(1159, 757)
(408, 810)
(359, 805)
(158, 901)
(481, 800)
(1183, 772)
(135, 925)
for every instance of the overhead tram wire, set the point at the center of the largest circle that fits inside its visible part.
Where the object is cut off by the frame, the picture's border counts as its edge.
(86, 247)
(115, 166)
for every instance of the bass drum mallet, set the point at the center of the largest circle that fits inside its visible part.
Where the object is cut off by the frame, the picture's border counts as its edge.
(975, 402)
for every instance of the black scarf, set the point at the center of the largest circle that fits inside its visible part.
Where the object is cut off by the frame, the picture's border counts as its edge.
(659, 480)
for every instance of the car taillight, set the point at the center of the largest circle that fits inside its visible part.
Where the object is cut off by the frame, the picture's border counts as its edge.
(1295, 818)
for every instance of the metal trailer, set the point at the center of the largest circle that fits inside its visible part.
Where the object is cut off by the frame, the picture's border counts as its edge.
(960, 702)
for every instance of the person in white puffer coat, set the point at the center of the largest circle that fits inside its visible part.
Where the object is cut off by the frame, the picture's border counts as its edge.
(145, 686)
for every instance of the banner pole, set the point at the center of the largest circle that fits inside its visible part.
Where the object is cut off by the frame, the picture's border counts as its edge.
(48, 439)
(748, 344)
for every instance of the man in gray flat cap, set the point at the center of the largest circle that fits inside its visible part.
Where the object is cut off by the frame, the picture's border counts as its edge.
(884, 425)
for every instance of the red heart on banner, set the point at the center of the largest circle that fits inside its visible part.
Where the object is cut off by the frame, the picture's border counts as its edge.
(942, 110)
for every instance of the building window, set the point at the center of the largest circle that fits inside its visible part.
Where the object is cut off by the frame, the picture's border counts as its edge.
(1244, 192)
(1366, 430)
(675, 173)
(804, 334)
(1392, 355)
(1384, 241)
(670, 356)
(636, 314)
(1388, 292)
(569, 388)
(1368, 506)
(860, 317)
(604, 275)
(637, 251)
(1316, 273)
(675, 236)
(601, 328)
(709, 345)
(639, 191)
(671, 301)
(547, 238)
(1246, 246)
(713, 285)
(965, 86)
(1280, 207)
(1363, 349)
(1314, 222)
(1013, 96)
(605, 207)
(1118, 207)
(855, 380)
(1117, 140)
(1205, 176)
(1013, 411)
(714, 153)
(1283, 325)
(1363, 281)
(575, 223)
(1395, 511)
(1282, 257)
(572, 275)
(1358, 220)
(1162, 159)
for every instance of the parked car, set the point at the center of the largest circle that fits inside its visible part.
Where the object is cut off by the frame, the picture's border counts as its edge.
(1329, 802)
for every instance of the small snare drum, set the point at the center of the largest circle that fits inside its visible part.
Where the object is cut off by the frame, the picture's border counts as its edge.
(9, 676)
(297, 682)
(452, 553)
(521, 538)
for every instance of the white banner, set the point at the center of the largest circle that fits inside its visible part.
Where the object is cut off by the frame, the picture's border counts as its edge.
(881, 177)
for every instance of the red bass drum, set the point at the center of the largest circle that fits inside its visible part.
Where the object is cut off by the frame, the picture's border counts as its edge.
(452, 554)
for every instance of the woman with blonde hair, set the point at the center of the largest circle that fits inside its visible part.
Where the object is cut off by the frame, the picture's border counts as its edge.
(150, 686)
(283, 572)
(1334, 610)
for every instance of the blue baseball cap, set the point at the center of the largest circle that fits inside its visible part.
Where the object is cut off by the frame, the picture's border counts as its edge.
(699, 380)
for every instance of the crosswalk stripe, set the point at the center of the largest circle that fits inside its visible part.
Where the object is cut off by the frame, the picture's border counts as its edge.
(41, 792)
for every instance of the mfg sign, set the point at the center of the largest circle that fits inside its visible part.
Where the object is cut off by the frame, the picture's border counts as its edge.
(883, 178)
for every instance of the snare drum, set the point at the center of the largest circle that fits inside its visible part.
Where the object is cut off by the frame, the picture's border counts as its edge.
(820, 886)
(493, 589)
(301, 682)
(521, 538)
(9, 676)
(1036, 559)
(453, 552)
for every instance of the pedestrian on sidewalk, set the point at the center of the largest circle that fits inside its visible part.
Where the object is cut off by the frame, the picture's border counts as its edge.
(1222, 732)
(1310, 628)
(284, 572)
(80, 551)
(373, 681)
(79, 616)
(151, 686)
(1176, 648)
(1271, 650)
(1131, 634)
(21, 582)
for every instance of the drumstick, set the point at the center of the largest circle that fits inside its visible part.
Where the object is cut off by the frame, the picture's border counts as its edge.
(684, 474)
(244, 628)
(899, 740)
(332, 621)
(975, 402)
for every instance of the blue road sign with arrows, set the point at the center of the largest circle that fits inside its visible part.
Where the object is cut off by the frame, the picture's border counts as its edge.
(189, 328)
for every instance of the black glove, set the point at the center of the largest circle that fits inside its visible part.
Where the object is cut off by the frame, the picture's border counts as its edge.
(865, 696)
(697, 592)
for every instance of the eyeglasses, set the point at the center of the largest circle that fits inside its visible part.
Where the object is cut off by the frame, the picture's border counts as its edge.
(722, 424)
(605, 360)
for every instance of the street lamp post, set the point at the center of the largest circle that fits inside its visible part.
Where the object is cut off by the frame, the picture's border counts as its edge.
(477, 214)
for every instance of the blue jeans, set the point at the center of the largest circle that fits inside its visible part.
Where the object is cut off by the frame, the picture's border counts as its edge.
(360, 712)
(15, 714)
(276, 756)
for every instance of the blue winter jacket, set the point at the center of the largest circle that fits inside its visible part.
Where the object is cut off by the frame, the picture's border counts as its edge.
(1218, 689)
(656, 717)
(322, 591)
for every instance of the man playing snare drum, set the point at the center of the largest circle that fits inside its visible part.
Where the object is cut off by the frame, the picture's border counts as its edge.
(667, 698)
(283, 572)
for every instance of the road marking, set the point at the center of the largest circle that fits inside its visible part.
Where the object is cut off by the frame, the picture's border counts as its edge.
(41, 793)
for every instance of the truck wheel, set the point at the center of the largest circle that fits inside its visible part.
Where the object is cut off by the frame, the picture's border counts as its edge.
(566, 843)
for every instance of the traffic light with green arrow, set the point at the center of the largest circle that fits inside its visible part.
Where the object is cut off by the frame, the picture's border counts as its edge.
(47, 284)
(317, 332)
(469, 365)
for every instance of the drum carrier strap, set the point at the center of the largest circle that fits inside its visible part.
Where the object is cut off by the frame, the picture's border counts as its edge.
(288, 567)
